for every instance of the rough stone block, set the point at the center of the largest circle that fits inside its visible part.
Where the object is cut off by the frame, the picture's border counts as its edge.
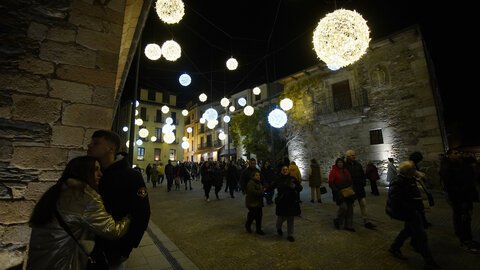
(46, 110)
(117, 5)
(13, 212)
(86, 75)
(12, 259)
(16, 234)
(35, 190)
(61, 34)
(63, 135)
(50, 175)
(107, 61)
(75, 153)
(103, 96)
(42, 158)
(36, 66)
(23, 82)
(6, 149)
(19, 131)
(67, 54)
(37, 31)
(98, 41)
(17, 190)
(84, 20)
(87, 116)
(71, 91)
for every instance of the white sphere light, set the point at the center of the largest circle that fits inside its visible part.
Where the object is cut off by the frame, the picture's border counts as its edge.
(226, 119)
(286, 104)
(170, 11)
(185, 145)
(277, 118)
(165, 109)
(138, 122)
(184, 112)
(224, 102)
(136, 112)
(169, 137)
(189, 130)
(153, 51)
(171, 50)
(125, 129)
(232, 63)
(202, 97)
(137, 103)
(232, 108)
(202, 120)
(211, 114)
(212, 124)
(169, 120)
(341, 38)
(139, 142)
(256, 91)
(167, 128)
(127, 144)
(143, 132)
(184, 139)
(153, 139)
(242, 101)
(222, 136)
(248, 110)
(185, 79)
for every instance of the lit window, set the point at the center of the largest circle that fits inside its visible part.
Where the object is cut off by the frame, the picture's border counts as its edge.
(140, 153)
(156, 154)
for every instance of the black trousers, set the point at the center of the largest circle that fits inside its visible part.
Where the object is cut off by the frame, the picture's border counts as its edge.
(373, 186)
(169, 182)
(462, 220)
(206, 188)
(254, 213)
(414, 228)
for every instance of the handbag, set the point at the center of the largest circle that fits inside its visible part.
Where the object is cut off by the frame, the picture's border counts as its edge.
(347, 192)
(323, 190)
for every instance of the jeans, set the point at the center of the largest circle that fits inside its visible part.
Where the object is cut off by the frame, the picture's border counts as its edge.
(363, 208)
(289, 219)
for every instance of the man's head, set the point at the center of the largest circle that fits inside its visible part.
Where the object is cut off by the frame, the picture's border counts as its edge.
(253, 163)
(350, 155)
(454, 154)
(407, 168)
(104, 144)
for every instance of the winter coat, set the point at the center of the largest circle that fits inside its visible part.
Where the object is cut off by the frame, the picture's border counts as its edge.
(339, 178)
(295, 172)
(154, 174)
(247, 174)
(254, 194)
(371, 172)
(404, 198)
(218, 174)
(457, 178)
(268, 176)
(208, 177)
(315, 179)
(82, 209)
(287, 199)
(358, 177)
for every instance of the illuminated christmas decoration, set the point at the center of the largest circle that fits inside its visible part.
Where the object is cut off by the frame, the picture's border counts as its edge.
(167, 128)
(232, 63)
(165, 109)
(202, 97)
(286, 104)
(153, 139)
(143, 132)
(248, 110)
(224, 102)
(211, 114)
(185, 145)
(226, 119)
(139, 142)
(189, 130)
(212, 124)
(222, 136)
(185, 79)
(169, 137)
(138, 122)
(202, 120)
(232, 108)
(127, 144)
(137, 103)
(277, 118)
(171, 50)
(136, 112)
(256, 91)
(169, 120)
(242, 101)
(184, 138)
(341, 38)
(184, 112)
(170, 11)
(153, 51)
(125, 129)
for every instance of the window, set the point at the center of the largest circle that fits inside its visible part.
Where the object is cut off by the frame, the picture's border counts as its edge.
(156, 154)
(158, 134)
(342, 99)
(258, 97)
(158, 117)
(151, 95)
(143, 114)
(140, 153)
(174, 117)
(166, 98)
(209, 140)
(376, 136)
(173, 154)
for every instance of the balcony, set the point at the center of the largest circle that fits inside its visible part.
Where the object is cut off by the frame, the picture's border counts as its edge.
(206, 145)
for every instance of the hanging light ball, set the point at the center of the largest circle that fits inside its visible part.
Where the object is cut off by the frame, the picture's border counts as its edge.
(125, 129)
(143, 132)
(169, 137)
(211, 114)
(128, 144)
(341, 38)
(202, 120)
(184, 139)
(169, 120)
(226, 119)
(232, 108)
(224, 102)
(242, 101)
(171, 50)
(248, 110)
(153, 51)
(256, 91)
(136, 112)
(232, 63)
(212, 124)
(153, 139)
(170, 11)
(189, 130)
(137, 103)
(165, 109)
(185, 79)
(139, 142)
(222, 136)
(167, 128)
(138, 122)
(202, 97)
(184, 112)
(277, 118)
(185, 145)
(286, 104)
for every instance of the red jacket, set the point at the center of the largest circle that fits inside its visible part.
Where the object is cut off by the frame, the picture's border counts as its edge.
(336, 175)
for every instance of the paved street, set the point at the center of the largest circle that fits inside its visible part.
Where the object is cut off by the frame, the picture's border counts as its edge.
(211, 235)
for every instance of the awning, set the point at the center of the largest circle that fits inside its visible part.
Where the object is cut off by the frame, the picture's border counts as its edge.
(229, 152)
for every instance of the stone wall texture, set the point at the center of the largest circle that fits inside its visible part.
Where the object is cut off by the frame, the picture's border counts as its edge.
(390, 90)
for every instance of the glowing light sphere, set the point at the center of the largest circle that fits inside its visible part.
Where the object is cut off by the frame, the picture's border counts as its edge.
(232, 108)
(170, 11)
(153, 139)
(202, 97)
(256, 91)
(232, 63)
(125, 129)
(139, 142)
(189, 130)
(242, 101)
(341, 38)
(138, 122)
(185, 145)
(185, 79)
(184, 139)
(286, 104)
(153, 51)
(165, 109)
(127, 144)
(224, 102)
(277, 118)
(143, 132)
(136, 112)
(167, 128)
(137, 103)
(226, 119)
(248, 110)
(212, 124)
(184, 112)
(169, 137)
(169, 120)
(211, 114)
(202, 120)
(222, 136)
(171, 50)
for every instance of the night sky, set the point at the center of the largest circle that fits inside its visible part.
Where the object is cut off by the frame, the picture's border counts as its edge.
(273, 39)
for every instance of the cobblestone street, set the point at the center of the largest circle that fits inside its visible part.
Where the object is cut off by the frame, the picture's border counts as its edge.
(212, 234)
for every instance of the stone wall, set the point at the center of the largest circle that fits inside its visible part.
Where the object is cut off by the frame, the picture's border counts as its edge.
(390, 90)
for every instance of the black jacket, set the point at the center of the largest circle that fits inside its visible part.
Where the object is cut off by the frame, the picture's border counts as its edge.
(404, 199)
(358, 177)
(457, 178)
(247, 174)
(287, 202)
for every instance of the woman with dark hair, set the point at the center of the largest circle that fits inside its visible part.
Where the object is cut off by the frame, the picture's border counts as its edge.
(69, 212)
(315, 180)
(340, 182)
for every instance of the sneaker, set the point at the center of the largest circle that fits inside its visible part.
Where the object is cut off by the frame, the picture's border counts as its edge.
(370, 226)
(397, 253)
(471, 247)
(279, 232)
(336, 223)
(260, 232)
(291, 239)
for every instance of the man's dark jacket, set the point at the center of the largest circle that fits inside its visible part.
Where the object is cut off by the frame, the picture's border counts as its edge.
(358, 177)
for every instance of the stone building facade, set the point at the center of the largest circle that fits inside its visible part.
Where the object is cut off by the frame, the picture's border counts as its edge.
(382, 106)
(63, 65)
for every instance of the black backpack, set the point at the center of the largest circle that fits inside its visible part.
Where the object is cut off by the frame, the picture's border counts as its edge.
(395, 204)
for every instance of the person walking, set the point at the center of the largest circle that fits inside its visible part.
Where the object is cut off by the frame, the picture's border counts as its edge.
(254, 203)
(232, 177)
(391, 170)
(218, 173)
(286, 201)
(268, 177)
(148, 172)
(154, 175)
(161, 173)
(315, 180)
(371, 172)
(247, 174)
(207, 175)
(186, 176)
(340, 181)
(420, 177)
(359, 181)
(69, 211)
(170, 174)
